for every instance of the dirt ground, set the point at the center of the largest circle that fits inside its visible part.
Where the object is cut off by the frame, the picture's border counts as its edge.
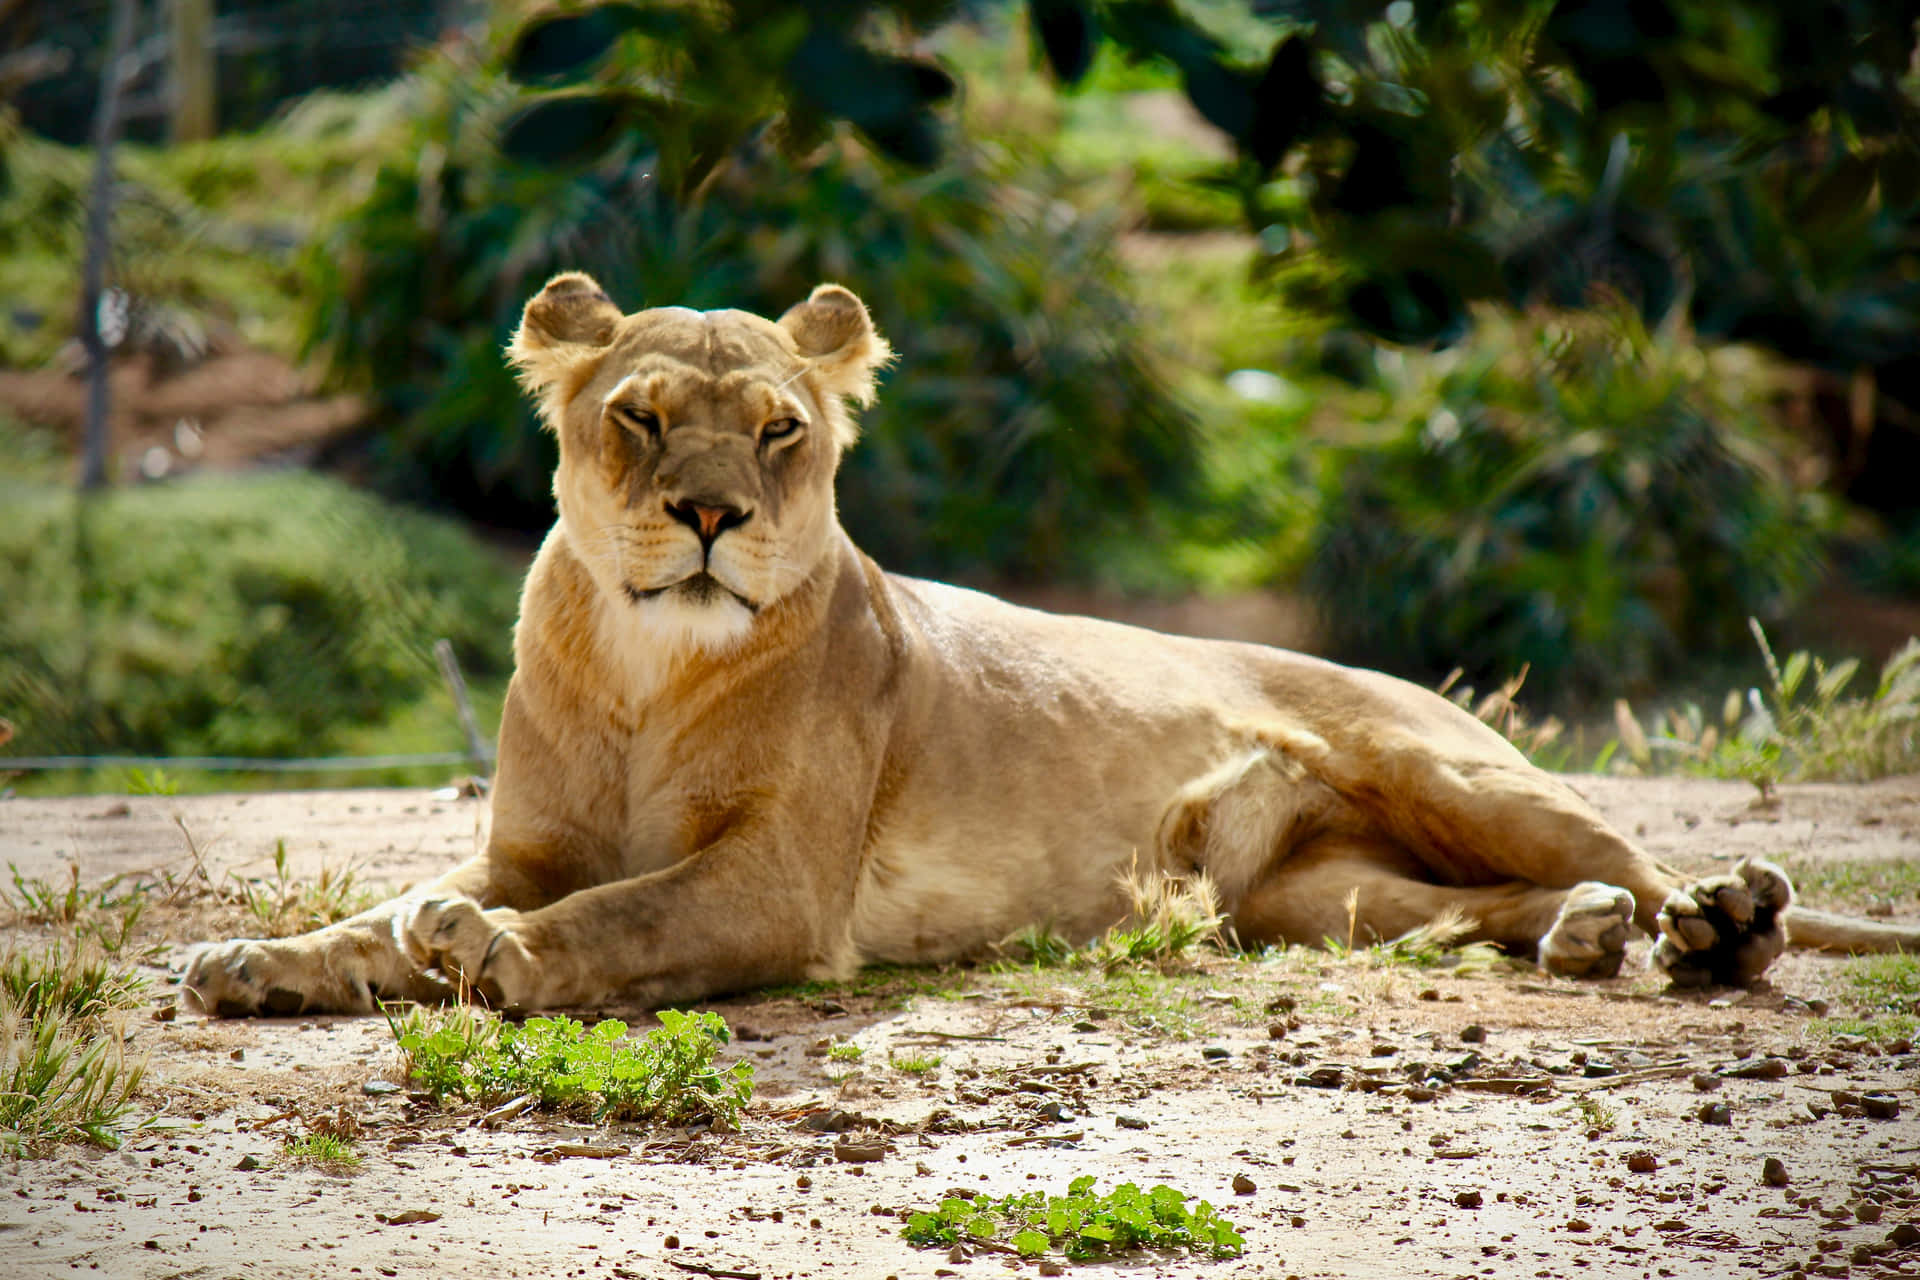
(1390, 1120)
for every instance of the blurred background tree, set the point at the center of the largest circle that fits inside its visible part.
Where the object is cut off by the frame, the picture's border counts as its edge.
(1562, 333)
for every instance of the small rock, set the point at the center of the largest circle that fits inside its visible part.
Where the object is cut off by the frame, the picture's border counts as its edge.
(803, 1182)
(1129, 1122)
(1904, 1236)
(1430, 993)
(1756, 1069)
(1774, 1172)
(1054, 1110)
(1085, 1028)
(1705, 1081)
(1594, 1069)
(1642, 1162)
(1473, 1033)
(1716, 1113)
(238, 1055)
(1468, 1199)
(1216, 1053)
(248, 1163)
(1867, 1211)
(1048, 1267)
(165, 1013)
(671, 1242)
(407, 1217)
(1420, 1093)
(832, 1120)
(379, 1088)
(1818, 1008)
(1243, 1185)
(1579, 1224)
(1671, 1224)
(1880, 1106)
(1299, 1220)
(859, 1151)
(1276, 1031)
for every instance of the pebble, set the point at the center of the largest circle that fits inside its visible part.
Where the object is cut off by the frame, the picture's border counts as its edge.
(1705, 1081)
(1129, 1122)
(1904, 1236)
(1774, 1172)
(1468, 1199)
(377, 1088)
(1867, 1211)
(1579, 1224)
(1048, 1267)
(1216, 1053)
(1642, 1162)
(1756, 1069)
(1276, 1031)
(856, 1151)
(1881, 1106)
(1243, 1185)
(1473, 1033)
(1716, 1113)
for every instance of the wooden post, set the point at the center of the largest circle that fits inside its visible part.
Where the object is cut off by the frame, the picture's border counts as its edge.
(190, 70)
(106, 130)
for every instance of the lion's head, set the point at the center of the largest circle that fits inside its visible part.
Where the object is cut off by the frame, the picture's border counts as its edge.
(697, 448)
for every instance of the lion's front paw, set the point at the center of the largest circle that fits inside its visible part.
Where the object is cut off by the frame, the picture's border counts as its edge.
(245, 977)
(1724, 930)
(1589, 936)
(474, 948)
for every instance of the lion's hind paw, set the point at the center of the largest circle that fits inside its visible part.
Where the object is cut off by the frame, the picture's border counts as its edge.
(1724, 930)
(1589, 936)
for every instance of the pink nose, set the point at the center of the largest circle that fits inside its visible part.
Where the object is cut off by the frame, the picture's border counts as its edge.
(706, 519)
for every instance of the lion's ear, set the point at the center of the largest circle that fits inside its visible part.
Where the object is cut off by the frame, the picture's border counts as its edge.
(571, 313)
(836, 335)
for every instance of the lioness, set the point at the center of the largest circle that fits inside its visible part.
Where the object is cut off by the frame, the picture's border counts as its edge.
(735, 752)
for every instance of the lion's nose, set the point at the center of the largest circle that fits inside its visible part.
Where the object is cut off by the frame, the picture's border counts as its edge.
(707, 519)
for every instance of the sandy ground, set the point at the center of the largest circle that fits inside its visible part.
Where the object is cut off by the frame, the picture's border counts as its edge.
(1391, 1121)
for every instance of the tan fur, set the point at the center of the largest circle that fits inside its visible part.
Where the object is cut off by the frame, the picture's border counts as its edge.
(735, 752)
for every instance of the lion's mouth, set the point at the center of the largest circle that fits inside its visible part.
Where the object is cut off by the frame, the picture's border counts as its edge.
(701, 588)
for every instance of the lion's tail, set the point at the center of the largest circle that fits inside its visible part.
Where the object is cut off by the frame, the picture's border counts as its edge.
(1826, 931)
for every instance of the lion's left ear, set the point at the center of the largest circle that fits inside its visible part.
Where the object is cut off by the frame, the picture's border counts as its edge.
(570, 317)
(836, 335)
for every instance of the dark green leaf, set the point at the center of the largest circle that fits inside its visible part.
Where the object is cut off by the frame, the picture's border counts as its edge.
(1067, 33)
(1899, 173)
(1285, 101)
(567, 128)
(1224, 96)
(885, 97)
(560, 45)
(1840, 193)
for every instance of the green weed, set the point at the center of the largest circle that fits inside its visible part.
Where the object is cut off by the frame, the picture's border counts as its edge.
(1081, 1224)
(1168, 917)
(1593, 1114)
(62, 1080)
(284, 906)
(325, 1151)
(106, 913)
(845, 1051)
(1802, 728)
(73, 984)
(157, 783)
(667, 1076)
(916, 1064)
(1428, 946)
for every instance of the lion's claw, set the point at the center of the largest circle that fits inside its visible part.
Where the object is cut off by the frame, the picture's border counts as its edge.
(1724, 930)
(474, 948)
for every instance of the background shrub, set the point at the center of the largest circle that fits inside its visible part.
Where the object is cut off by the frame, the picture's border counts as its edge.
(260, 616)
(1561, 491)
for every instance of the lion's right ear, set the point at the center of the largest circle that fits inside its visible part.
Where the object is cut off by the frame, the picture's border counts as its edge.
(567, 319)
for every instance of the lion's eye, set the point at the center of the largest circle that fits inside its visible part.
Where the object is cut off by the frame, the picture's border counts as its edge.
(640, 420)
(780, 429)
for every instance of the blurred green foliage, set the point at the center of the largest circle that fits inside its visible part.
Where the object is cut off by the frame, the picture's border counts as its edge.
(1563, 491)
(267, 616)
(1030, 421)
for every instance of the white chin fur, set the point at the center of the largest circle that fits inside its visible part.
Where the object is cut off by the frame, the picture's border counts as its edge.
(679, 625)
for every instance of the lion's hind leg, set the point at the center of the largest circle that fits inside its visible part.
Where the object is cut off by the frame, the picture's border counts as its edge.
(1361, 890)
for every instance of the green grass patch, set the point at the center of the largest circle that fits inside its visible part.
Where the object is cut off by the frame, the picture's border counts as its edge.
(667, 1076)
(64, 1076)
(66, 982)
(1082, 1225)
(916, 1064)
(1854, 883)
(325, 1151)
